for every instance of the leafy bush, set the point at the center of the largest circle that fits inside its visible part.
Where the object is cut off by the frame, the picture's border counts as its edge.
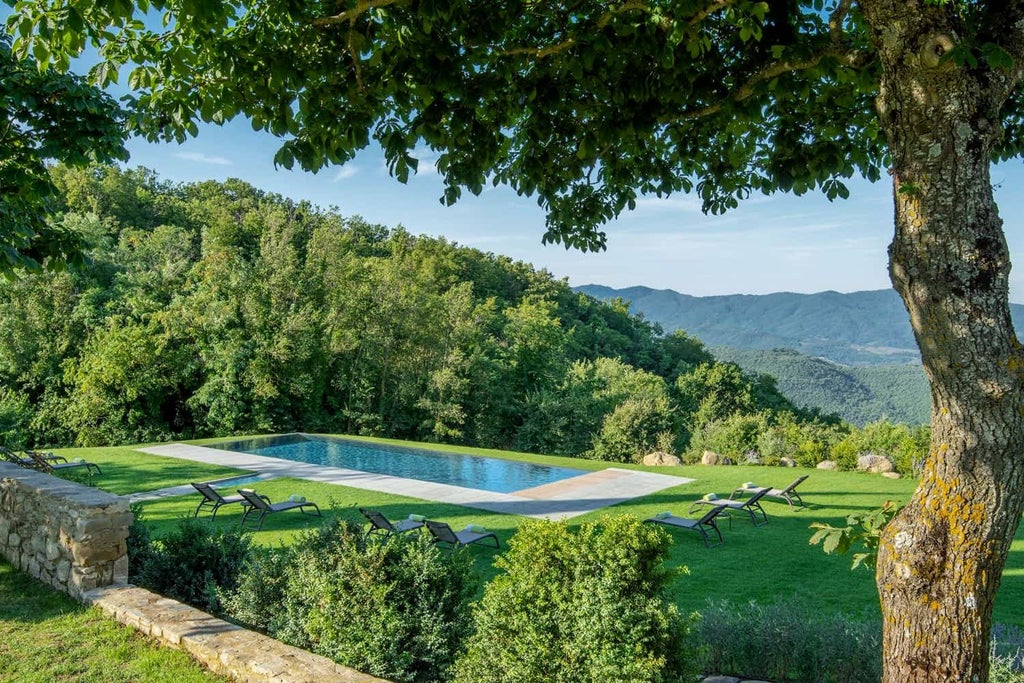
(788, 642)
(397, 608)
(195, 563)
(586, 606)
(1007, 648)
(15, 418)
(140, 545)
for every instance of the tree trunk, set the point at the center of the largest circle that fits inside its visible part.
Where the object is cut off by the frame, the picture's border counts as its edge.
(941, 559)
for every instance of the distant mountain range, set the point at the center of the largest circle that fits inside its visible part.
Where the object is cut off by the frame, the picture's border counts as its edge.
(851, 354)
(860, 328)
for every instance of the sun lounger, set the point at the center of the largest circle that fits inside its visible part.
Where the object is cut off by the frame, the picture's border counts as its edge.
(212, 498)
(50, 467)
(27, 460)
(379, 524)
(752, 506)
(445, 535)
(787, 494)
(701, 525)
(262, 505)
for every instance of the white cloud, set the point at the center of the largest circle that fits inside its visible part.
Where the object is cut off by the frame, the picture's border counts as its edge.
(201, 158)
(346, 172)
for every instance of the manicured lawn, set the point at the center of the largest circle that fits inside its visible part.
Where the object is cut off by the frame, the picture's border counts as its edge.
(766, 564)
(129, 471)
(45, 636)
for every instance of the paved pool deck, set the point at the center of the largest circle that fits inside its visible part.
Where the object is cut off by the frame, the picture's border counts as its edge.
(559, 500)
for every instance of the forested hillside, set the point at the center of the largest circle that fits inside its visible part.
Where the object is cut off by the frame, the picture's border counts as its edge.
(859, 328)
(215, 308)
(858, 395)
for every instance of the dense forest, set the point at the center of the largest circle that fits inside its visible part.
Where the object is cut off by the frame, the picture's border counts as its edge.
(857, 394)
(215, 308)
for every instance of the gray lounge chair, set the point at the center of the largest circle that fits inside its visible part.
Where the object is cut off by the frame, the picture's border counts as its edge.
(379, 524)
(787, 494)
(445, 535)
(700, 525)
(261, 504)
(751, 506)
(212, 498)
(27, 460)
(43, 464)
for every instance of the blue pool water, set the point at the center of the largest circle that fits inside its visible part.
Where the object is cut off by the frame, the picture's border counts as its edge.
(469, 471)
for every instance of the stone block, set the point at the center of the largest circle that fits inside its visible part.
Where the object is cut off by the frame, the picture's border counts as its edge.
(828, 465)
(91, 525)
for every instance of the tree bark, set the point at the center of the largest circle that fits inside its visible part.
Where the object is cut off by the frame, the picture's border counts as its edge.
(941, 559)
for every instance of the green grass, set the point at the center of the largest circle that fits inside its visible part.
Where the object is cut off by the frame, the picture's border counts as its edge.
(767, 564)
(130, 471)
(45, 636)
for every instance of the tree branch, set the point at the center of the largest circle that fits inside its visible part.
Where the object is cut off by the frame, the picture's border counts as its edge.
(606, 18)
(836, 19)
(854, 59)
(1005, 28)
(361, 7)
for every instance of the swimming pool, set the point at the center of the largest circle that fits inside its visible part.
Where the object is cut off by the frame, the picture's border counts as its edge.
(442, 467)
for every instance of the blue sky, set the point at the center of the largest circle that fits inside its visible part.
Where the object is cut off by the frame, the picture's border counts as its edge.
(769, 244)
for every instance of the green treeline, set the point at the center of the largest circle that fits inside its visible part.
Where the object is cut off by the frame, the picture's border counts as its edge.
(857, 394)
(215, 308)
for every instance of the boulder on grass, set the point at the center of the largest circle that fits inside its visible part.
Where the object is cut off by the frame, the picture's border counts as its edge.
(891, 475)
(828, 465)
(870, 462)
(661, 458)
(712, 458)
(787, 462)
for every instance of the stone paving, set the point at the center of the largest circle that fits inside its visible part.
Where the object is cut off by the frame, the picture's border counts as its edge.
(559, 500)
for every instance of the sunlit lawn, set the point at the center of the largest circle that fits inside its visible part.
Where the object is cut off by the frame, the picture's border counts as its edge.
(46, 636)
(769, 563)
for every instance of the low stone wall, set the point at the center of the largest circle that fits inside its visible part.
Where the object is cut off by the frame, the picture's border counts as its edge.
(223, 648)
(69, 536)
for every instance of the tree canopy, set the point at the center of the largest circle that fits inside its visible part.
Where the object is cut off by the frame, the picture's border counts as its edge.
(589, 105)
(584, 105)
(46, 116)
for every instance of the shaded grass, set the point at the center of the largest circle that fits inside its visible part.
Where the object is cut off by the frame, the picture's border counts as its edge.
(45, 636)
(130, 471)
(768, 564)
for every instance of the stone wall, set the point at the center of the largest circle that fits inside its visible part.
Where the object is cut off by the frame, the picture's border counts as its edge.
(69, 536)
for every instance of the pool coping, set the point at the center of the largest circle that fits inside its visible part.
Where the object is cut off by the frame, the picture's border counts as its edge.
(556, 501)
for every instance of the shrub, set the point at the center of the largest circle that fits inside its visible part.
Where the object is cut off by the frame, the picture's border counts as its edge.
(140, 545)
(397, 608)
(195, 563)
(584, 606)
(15, 418)
(1007, 647)
(789, 642)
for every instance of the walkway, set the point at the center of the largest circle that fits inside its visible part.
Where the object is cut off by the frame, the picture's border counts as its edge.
(560, 500)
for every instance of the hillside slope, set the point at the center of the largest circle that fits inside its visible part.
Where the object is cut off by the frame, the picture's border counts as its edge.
(858, 395)
(860, 328)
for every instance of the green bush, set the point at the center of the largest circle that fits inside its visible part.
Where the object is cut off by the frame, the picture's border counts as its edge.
(586, 606)
(195, 563)
(140, 545)
(15, 419)
(397, 608)
(1007, 648)
(788, 642)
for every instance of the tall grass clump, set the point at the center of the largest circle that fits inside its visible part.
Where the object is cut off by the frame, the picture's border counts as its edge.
(788, 642)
